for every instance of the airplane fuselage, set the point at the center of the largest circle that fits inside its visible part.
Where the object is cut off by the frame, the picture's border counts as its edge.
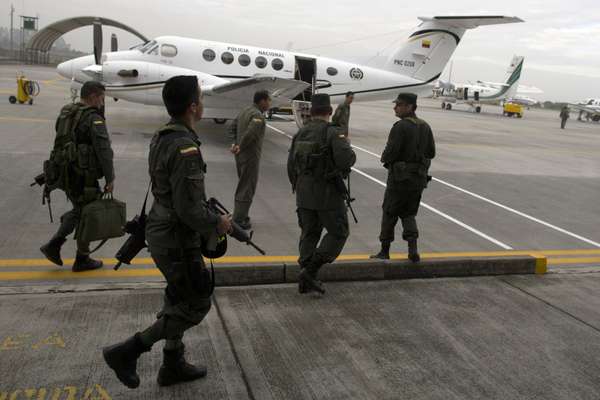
(217, 63)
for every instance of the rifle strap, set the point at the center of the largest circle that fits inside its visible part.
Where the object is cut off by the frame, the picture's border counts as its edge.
(98, 247)
(146, 199)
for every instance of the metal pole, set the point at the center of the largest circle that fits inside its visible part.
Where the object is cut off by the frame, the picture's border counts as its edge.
(12, 12)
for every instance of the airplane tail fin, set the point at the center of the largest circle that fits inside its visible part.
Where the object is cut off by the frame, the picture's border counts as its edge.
(428, 49)
(514, 75)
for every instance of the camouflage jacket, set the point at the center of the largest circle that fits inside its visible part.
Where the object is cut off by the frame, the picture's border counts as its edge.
(179, 216)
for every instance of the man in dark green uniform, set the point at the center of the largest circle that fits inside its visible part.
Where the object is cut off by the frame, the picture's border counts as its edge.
(247, 133)
(341, 117)
(564, 116)
(177, 226)
(407, 157)
(93, 145)
(319, 157)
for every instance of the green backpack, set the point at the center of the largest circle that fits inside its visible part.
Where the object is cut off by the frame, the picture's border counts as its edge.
(64, 157)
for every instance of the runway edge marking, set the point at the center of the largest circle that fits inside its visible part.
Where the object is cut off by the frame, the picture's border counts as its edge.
(504, 207)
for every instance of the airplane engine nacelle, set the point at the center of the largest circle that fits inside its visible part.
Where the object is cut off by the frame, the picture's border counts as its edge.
(125, 72)
(142, 82)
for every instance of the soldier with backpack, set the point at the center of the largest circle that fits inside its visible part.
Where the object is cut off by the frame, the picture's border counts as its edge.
(81, 155)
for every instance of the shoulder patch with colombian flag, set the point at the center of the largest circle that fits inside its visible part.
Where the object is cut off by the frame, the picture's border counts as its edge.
(188, 151)
(98, 122)
(257, 119)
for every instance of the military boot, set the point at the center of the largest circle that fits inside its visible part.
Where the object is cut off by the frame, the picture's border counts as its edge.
(52, 250)
(85, 263)
(175, 369)
(122, 358)
(307, 280)
(384, 253)
(413, 251)
(240, 214)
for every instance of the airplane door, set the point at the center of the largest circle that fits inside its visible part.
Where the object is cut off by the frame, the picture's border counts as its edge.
(466, 94)
(476, 96)
(306, 71)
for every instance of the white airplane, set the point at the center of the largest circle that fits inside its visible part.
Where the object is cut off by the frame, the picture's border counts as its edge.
(230, 74)
(476, 94)
(590, 108)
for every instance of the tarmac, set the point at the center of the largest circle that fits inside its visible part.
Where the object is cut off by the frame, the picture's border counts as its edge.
(509, 196)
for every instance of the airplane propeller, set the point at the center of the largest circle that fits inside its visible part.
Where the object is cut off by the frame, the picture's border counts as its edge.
(114, 43)
(98, 42)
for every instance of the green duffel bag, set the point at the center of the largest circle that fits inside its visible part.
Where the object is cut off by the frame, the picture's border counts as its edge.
(102, 219)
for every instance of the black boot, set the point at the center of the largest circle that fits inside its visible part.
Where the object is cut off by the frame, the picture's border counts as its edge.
(85, 263)
(175, 369)
(52, 249)
(307, 282)
(384, 253)
(122, 358)
(413, 251)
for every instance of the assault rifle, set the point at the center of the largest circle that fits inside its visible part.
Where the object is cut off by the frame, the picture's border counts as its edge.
(40, 180)
(341, 187)
(237, 232)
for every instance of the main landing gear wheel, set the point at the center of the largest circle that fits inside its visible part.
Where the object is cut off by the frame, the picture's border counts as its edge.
(443, 106)
(219, 121)
(477, 109)
(448, 106)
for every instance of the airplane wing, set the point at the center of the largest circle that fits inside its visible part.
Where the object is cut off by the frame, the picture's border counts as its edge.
(492, 84)
(239, 93)
(580, 107)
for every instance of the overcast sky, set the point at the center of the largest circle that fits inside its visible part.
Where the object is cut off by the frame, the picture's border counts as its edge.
(560, 39)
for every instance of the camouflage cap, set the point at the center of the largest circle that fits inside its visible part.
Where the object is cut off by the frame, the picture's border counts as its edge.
(320, 102)
(408, 98)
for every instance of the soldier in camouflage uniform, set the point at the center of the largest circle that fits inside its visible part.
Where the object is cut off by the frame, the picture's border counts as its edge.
(178, 224)
(341, 117)
(320, 153)
(407, 157)
(93, 144)
(247, 133)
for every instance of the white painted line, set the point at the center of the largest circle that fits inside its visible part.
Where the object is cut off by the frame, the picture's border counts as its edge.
(427, 206)
(280, 131)
(504, 207)
(448, 217)
(522, 214)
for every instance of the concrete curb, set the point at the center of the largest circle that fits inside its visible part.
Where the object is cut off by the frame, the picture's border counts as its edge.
(373, 270)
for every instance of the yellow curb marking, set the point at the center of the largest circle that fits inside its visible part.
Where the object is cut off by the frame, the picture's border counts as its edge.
(147, 261)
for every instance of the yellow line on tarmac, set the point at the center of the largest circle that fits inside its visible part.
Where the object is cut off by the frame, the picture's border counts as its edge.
(42, 262)
(17, 119)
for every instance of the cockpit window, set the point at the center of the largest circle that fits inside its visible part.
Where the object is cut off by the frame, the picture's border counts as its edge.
(148, 46)
(591, 102)
(168, 50)
(153, 51)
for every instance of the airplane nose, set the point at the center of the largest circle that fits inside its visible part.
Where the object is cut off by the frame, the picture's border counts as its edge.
(65, 69)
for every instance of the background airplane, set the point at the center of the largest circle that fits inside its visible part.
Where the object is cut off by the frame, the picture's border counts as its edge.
(489, 92)
(229, 73)
(476, 94)
(588, 109)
